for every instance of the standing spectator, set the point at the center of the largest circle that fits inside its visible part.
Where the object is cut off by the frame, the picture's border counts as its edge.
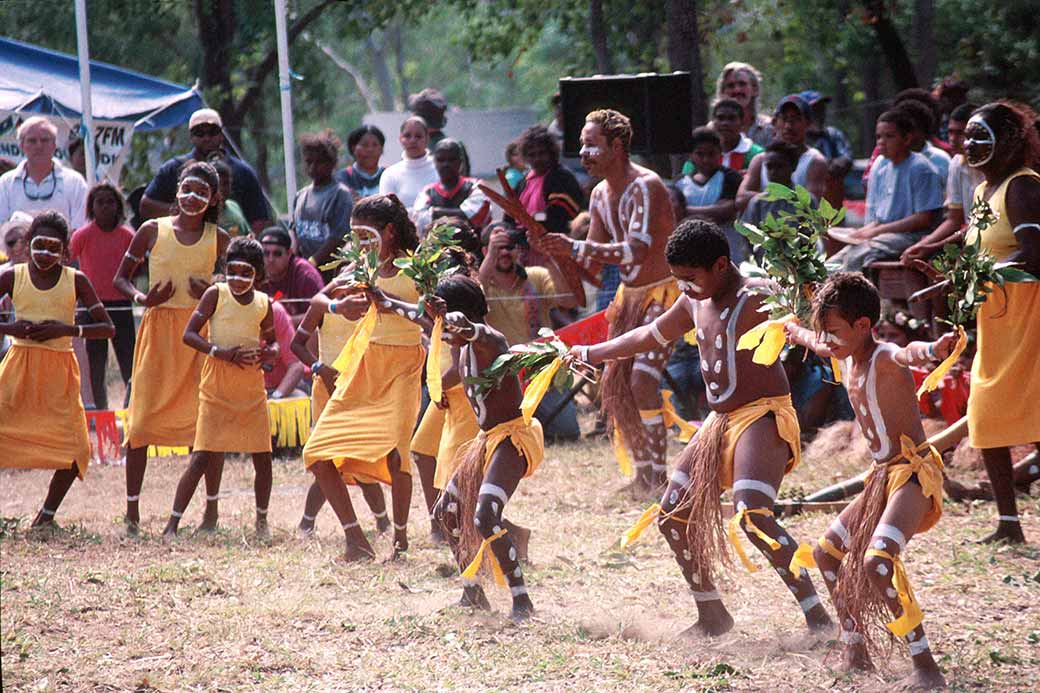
(207, 138)
(287, 277)
(741, 82)
(515, 166)
(960, 190)
(549, 192)
(737, 148)
(15, 250)
(288, 375)
(231, 218)
(792, 119)
(99, 247)
(41, 182)
(453, 194)
(416, 169)
(711, 190)
(430, 105)
(321, 211)
(365, 144)
(832, 143)
(903, 200)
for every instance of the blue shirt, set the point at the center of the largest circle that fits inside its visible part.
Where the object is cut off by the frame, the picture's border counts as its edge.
(245, 186)
(897, 191)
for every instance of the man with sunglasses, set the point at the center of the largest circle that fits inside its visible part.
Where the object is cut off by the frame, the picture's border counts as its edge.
(287, 276)
(40, 182)
(207, 139)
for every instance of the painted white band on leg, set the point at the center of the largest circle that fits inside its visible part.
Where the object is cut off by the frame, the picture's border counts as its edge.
(401, 528)
(809, 602)
(712, 596)
(754, 485)
(470, 582)
(662, 467)
(891, 532)
(839, 529)
(493, 490)
(654, 373)
(1008, 518)
(309, 518)
(680, 478)
(176, 514)
(379, 516)
(351, 525)
(657, 419)
(48, 513)
(261, 511)
(656, 334)
(919, 646)
(451, 489)
(213, 497)
(642, 464)
(518, 590)
(851, 637)
(133, 499)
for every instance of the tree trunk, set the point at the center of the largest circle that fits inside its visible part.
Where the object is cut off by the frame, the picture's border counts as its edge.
(377, 54)
(924, 39)
(260, 136)
(871, 78)
(684, 52)
(891, 44)
(397, 45)
(598, 38)
(217, 25)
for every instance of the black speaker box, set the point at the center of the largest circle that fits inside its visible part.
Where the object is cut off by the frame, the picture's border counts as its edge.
(658, 105)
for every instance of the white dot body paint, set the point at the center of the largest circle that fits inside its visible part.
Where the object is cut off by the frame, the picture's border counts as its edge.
(882, 569)
(863, 409)
(741, 506)
(718, 366)
(516, 573)
(829, 576)
(496, 529)
(673, 497)
(453, 508)
(686, 554)
(718, 341)
(494, 506)
(784, 541)
(724, 314)
(700, 333)
(387, 304)
(512, 553)
(399, 312)
(476, 521)
(892, 594)
(879, 544)
(411, 315)
(1033, 469)
(713, 386)
(675, 534)
(704, 366)
(695, 579)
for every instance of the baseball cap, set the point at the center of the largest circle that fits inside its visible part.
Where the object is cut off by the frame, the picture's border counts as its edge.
(812, 97)
(798, 102)
(204, 116)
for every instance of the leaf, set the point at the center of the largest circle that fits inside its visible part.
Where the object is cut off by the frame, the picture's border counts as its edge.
(1013, 274)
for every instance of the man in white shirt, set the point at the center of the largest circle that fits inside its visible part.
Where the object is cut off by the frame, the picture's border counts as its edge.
(41, 182)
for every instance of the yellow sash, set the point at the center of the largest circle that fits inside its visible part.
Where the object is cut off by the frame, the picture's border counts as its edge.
(912, 616)
(767, 339)
(935, 377)
(470, 573)
(734, 534)
(354, 350)
(433, 361)
(537, 388)
(670, 417)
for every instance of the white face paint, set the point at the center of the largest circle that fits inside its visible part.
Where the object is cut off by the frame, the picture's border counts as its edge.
(687, 286)
(979, 142)
(368, 237)
(240, 277)
(589, 150)
(829, 338)
(45, 252)
(193, 202)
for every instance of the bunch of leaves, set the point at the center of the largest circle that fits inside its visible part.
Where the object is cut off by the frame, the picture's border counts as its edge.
(431, 261)
(972, 272)
(789, 246)
(361, 259)
(529, 359)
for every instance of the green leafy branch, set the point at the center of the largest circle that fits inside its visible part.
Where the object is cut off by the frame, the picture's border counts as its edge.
(431, 261)
(530, 359)
(972, 272)
(361, 259)
(789, 245)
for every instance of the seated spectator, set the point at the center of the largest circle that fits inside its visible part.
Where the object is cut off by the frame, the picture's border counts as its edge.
(15, 250)
(515, 166)
(678, 200)
(288, 376)
(416, 169)
(710, 191)
(453, 194)
(287, 277)
(231, 218)
(321, 211)
(40, 182)
(791, 124)
(924, 123)
(960, 192)
(737, 148)
(99, 247)
(520, 299)
(950, 93)
(922, 96)
(904, 197)
(832, 143)
(430, 105)
(207, 138)
(781, 159)
(365, 144)
(549, 192)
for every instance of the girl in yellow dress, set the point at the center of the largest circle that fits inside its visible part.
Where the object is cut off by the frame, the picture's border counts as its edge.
(332, 331)
(364, 432)
(232, 413)
(42, 422)
(182, 252)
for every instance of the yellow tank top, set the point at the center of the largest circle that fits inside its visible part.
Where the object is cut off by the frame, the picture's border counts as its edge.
(234, 324)
(57, 303)
(172, 260)
(999, 238)
(391, 329)
(333, 333)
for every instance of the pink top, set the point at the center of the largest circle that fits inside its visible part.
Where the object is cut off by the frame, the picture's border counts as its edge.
(99, 253)
(531, 196)
(284, 331)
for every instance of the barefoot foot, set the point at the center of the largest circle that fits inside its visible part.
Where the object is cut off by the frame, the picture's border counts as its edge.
(922, 679)
(523, 609)
(133, 528)
(473, 597)
(169, 535)
(305, 529)
(43, 519)
(437, 533)
(400, 545)
(819, 621)
(382, 523)
(1006, 533)
(263, 532)
(359, 551)
(855, 658)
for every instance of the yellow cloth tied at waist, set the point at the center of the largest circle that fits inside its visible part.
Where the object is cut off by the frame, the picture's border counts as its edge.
(536, 389)
(912, 616)
(526, 437)
(802, 558)
(645, 520)
(470, 573)
(354, 350)
(767, 339)
(741, 518)
(935, 377)
(433, 361)
(668, 415)
(664, 292)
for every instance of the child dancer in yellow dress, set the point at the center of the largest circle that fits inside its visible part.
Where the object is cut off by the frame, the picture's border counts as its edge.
(42, 422)
(232, 400)
(182, 252)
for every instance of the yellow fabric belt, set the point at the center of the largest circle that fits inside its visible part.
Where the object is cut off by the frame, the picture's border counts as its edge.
(741, 518)
(470, 573)
(671, 418)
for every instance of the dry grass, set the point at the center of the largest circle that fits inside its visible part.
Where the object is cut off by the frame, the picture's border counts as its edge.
(87, 609)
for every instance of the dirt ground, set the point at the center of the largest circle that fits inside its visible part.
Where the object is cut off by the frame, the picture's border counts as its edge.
(85, 608)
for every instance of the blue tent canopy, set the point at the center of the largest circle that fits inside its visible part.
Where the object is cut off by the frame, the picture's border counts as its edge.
(37, 80)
